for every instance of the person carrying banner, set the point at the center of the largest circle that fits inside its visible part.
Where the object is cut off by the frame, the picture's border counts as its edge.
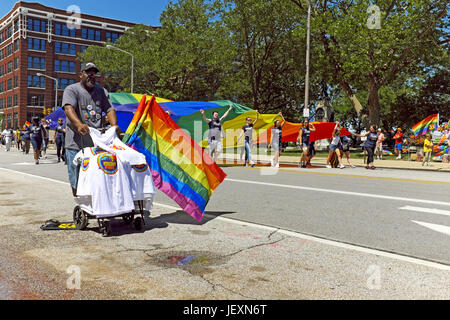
(215, 132)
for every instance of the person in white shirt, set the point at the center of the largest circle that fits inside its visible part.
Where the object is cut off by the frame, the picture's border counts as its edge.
(379, 145)
(7, 135)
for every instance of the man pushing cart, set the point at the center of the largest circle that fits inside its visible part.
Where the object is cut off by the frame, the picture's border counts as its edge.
(87, 107)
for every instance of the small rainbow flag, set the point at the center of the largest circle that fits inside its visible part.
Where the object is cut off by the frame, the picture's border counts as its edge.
(423, 126)
(27, 123)
(180, 168)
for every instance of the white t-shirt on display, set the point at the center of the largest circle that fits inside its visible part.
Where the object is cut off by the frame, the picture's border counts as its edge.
(112, 176)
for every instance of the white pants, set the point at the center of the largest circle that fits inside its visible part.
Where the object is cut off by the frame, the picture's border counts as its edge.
(8, 143)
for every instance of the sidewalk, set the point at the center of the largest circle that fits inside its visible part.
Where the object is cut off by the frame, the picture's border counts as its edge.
(289, 161)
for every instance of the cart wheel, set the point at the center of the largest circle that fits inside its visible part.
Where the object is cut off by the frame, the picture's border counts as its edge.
(80, 218)
(128, 218)
(138, 223)
(106, 229)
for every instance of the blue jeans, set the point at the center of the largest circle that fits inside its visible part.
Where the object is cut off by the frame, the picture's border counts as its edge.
(248, 154)
(72, 168)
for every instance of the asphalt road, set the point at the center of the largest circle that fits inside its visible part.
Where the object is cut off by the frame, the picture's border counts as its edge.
(399, 211)
(267, 235)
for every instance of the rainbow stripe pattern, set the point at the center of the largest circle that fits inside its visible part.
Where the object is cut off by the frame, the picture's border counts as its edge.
(426, 125)
(179, 166)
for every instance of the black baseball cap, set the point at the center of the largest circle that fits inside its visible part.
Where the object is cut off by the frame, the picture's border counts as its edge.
(88, 66)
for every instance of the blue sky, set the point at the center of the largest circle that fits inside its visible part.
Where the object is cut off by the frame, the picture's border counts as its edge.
(136, 11)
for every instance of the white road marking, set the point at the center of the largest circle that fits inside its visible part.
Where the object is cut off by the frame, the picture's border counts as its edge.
(292, 233)
(426, 210)
(436, 227)
(358, 194)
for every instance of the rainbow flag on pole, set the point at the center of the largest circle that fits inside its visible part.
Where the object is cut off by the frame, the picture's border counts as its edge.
(180, 168)
(423, 126)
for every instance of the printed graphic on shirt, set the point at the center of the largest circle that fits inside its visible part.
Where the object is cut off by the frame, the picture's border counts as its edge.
(107, 162)
(117, 147)
(85, 164)
(140, 168)
(96, 150)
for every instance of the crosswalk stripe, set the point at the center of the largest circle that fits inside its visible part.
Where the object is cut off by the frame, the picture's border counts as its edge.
(436, 227)
(426, 210)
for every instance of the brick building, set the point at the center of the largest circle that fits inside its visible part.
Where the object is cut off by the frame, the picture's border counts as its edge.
(36, 39)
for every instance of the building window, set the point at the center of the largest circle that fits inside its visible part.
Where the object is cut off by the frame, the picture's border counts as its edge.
(36, 82)
(37, 25)
(90, 34)
(16, 81)
(10, 49)
(16, 45)
(16, 100)
(65, 66)
(16, 63)
(10, 67)
(16, 25)
(83, 48)
(9, 84)
(63, 83)
(35, 100)
(112, 36)
(63, 30)
(10, 31)
(9, 104)
(36, 44)
(36, 63)
(65, 48)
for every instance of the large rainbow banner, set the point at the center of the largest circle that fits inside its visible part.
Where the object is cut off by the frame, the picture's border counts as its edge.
(179, 166)
(424, 126)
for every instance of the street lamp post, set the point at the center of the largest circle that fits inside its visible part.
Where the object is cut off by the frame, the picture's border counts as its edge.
(56, 87)
(132, 63)
(306, 111)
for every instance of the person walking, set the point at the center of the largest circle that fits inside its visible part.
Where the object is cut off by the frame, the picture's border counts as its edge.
(248, 140)
(37, 137)
(379, 145)
(398, 137)
(303, 141)
(215, 132)
(59, 138)
(345, 150)
(7, 135)
(46, 139)
(86, 105)
(275, 143)
(427, 149)
(370, 145)
(18, 139)
(26, 140)
(335, 146)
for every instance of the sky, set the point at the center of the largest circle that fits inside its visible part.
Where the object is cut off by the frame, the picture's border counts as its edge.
(136, 11)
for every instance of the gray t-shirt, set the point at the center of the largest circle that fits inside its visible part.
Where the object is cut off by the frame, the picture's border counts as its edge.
(215, 130)
(90, 107)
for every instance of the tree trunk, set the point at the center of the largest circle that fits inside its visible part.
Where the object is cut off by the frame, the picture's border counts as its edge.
(373, 103)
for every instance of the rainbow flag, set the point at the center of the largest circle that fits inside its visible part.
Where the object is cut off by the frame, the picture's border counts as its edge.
(179, 166)
(423, 126)
(27, 123)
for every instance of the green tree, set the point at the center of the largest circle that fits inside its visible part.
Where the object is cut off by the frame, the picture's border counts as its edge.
(269, 55)
(358, 55)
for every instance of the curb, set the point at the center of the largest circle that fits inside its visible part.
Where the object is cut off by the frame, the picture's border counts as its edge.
(356, 165)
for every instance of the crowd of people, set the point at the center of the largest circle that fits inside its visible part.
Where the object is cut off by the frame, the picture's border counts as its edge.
(35, 135)
(374, 143)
